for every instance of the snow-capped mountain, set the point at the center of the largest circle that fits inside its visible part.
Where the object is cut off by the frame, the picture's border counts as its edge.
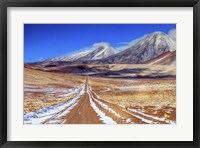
(102, 51)
(99, 51)
(149, 47)
(72, 57)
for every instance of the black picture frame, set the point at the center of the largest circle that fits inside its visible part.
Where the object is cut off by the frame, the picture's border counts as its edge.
(4, 4)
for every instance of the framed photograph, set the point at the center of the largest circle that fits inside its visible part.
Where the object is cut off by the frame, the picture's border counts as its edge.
(99, 73)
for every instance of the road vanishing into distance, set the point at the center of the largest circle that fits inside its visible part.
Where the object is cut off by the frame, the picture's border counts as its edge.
(88, 108)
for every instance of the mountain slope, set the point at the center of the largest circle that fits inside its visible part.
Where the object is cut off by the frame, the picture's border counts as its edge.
(101, 52)
(72, 57)
(149, 47)
(168, 58)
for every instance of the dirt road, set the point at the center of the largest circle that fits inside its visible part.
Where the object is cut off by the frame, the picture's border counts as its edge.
(88, 108)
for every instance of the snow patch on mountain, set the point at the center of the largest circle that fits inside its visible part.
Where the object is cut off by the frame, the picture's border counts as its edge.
(71, 57)
(101, 50)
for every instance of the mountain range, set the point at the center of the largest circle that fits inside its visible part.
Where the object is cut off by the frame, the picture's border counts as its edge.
(151, 46)
(153, 56)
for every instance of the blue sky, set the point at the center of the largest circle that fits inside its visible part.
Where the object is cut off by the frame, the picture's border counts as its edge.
(43, 41)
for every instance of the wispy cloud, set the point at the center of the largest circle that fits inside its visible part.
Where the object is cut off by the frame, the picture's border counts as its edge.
(90, 48)
(125, 45)
(172, 34)
(100, 44)
(41, 59)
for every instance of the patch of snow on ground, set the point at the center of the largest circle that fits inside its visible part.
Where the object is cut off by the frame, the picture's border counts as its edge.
(64, 121)
(64, 113)
(109, 109)
(147, 87)
(54, 121)
(144, 120)
(122, 106)
(41, 115)
(128, 120)
(68, 110)
(103, 117)
(105, 106)
(105, 90)
(172, 122)
(70, 93)
(141, 113)
(99, 97)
